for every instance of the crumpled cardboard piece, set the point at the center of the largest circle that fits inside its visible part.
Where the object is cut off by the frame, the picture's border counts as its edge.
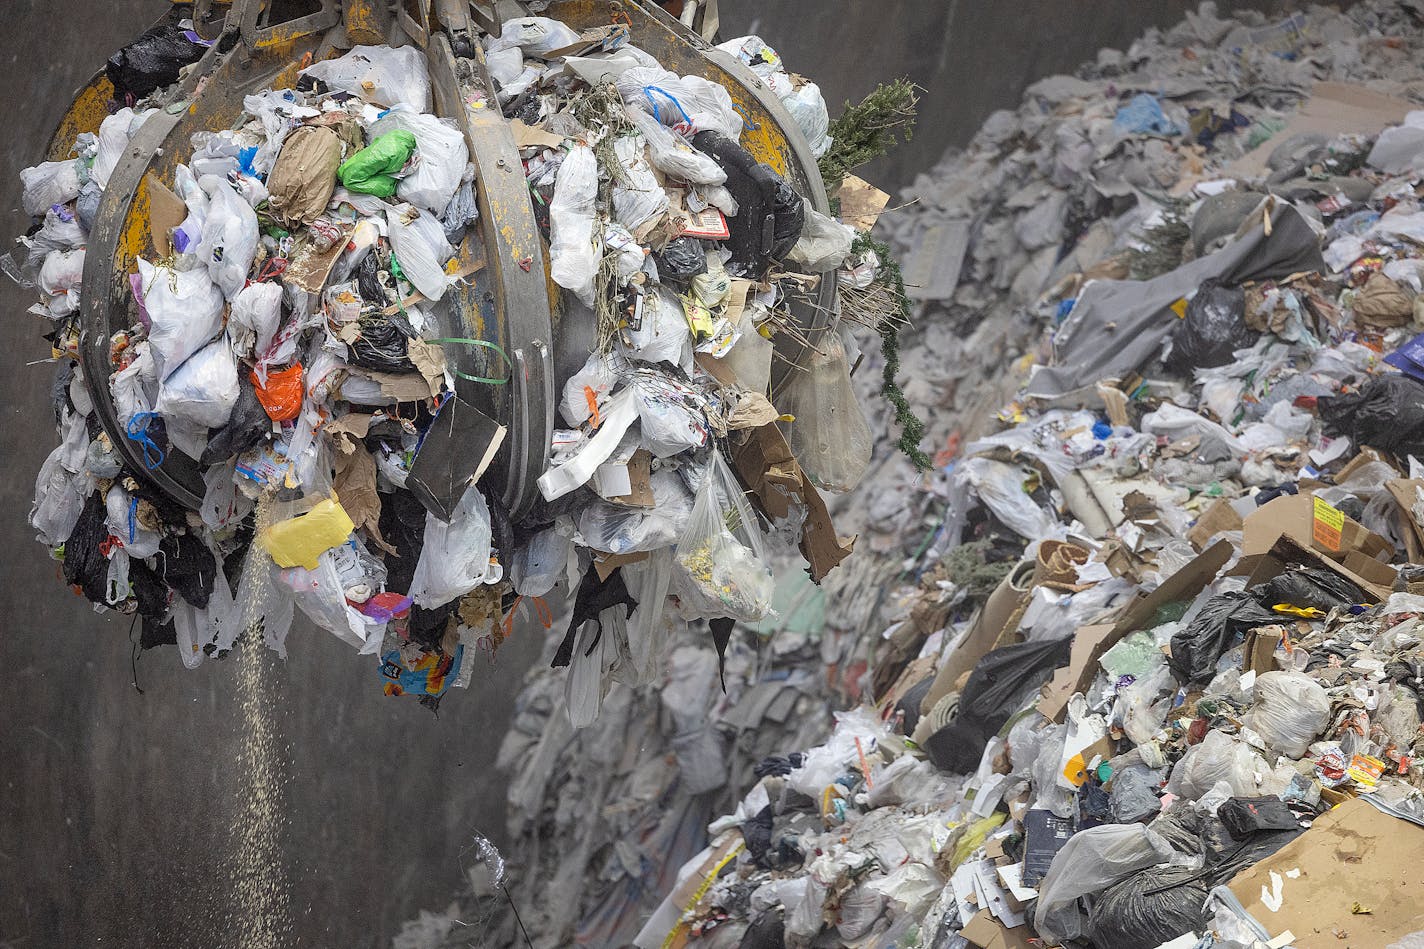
(1352, 854)
(355, 484)
(1317, 526)
(986, 932)
(1215, 520)
(1383, 303)
(765, 464)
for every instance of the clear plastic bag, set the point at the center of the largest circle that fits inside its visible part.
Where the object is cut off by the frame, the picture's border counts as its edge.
(829, 437)
(587, 388)
(1290, 710)
(808, 107)
(661, 333)
(1219, 757)
(824, 244)
(575, 242)
(750, 356)
(255, 315)
(185, 309)
(418, 241)
(443, 157)
(320, 594)
(380, 75)
(673, 156)
(720, 568)
(616, 529)
(204, 389)
(689, 104)
(535, 35)
(1091, 861)
(672, 421)
(649, 582)
(542, 562)
(637, 196)
(47, 184)
(456, 556)
(59, 500)
(229, 239)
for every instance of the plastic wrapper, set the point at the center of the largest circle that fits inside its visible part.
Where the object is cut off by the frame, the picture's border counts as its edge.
(204, 389)
(229, 238)
(575, 242)
(418, 240)
(254, 317)
(1217, 627)
(830, 436)
(661, 333)
(152, 61)
(637, 196)
(320, 594)
(534, 35)
(1290, 710)
(1149, 908)
(1091, 861)
(59, 500)
(716, 573)
(1212, 330)
(48, 184)
(303, 177)
(1218, 757)
(456, 556)
(541, 563)
(1386, 413)
(443, 157)
(381, 75)
(808, 107)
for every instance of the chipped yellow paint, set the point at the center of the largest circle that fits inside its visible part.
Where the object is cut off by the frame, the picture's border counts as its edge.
(364, 22)
(135, 240)
(89, 109)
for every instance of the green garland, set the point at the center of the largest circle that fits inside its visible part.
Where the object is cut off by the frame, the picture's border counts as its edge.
(912, 428)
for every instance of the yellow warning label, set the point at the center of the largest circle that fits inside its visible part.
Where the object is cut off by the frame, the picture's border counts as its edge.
(1329, 521)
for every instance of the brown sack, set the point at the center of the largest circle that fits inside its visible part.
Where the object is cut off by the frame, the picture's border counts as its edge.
(1382, 302)
(304, 175)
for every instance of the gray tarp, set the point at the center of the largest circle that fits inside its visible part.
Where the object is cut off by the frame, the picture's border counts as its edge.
(1117, 326)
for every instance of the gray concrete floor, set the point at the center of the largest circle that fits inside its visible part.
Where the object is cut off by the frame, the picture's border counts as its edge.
(116, 805)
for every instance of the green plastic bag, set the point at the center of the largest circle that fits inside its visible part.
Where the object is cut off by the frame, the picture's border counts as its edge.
(373, 169)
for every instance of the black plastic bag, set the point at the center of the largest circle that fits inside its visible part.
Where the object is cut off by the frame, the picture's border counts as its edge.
(1309, 587)
(1149, 908)
(996, 689)
(382, 347)
(85, 565)
(1227, 855)
(1222, 621)
(1134, 795)
(189, 567)
(1245, 816)
(770, 214)
(152, 61)
(245, 428)
(682, 259)
(1213, 329)
(149, 590)
(1386, 413)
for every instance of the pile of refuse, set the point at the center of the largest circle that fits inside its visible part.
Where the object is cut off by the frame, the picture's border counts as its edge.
(1158, 679)
(285, 337)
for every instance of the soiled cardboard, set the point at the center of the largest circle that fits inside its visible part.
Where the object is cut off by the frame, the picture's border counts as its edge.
(1301, 518)
(1334, 108)
(639, 480)
(165, 212)
(605, 564)
(986, 932)
(1215, 520)
(984, 634)
(1091, 642)
(1355, 853)
(861, 203)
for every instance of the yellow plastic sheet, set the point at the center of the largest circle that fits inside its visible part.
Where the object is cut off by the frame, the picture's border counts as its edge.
(299, 541)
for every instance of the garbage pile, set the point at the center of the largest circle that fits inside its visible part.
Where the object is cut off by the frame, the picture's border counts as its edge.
(286, 335)
(1196, 670)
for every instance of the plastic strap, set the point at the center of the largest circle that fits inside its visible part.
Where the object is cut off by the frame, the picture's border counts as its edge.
(138, 432)
(464, 341)
(133, 519)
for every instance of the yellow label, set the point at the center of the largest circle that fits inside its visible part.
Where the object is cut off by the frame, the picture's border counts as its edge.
(1180, 308)
(1329, 522)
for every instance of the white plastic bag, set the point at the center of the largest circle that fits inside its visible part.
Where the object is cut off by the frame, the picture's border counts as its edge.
(419, 243)
(114, 135)
(254, 317)
(689, 104)
(229, 240)
(47, 184)
(381, 75)
(824, 244)
(575, 242)
(1219, 757)
(276, 111)
(120, 517)
(456, 556)
(637, 196)
(661, 334)
(673, 156)
(587, 388)
(204, 389)
(535, 35)
(615, 529)
(61, 278)
(716, 573)
(673, 415)
(320, 595)
(1289, 711)
(59, 500)
(443, 157)
(649, 582)
(185, 308)
(541, 563)
(829, 437)
(808, 107)
(504, 65)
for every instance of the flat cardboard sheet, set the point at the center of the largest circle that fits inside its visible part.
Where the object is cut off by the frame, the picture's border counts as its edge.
(1334, 108)
(1355, 853)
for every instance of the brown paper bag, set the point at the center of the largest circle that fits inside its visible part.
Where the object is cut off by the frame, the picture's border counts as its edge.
(304, 174)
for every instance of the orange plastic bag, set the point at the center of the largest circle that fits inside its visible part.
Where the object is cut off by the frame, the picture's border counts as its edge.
(282, 395)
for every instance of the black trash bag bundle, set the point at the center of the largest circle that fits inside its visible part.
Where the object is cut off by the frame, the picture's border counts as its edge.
(1149, 908)
(85, 565)
(189, 567)
(1228, 854)
(1309, 587)
(1245, 816)
(996, 689)
(1386, 413)
(682, 259)
(1212, 330)
(770, 214)
(1221, 623)
(244, 429)
(382, 347)
(152, 61)
(149, 590)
